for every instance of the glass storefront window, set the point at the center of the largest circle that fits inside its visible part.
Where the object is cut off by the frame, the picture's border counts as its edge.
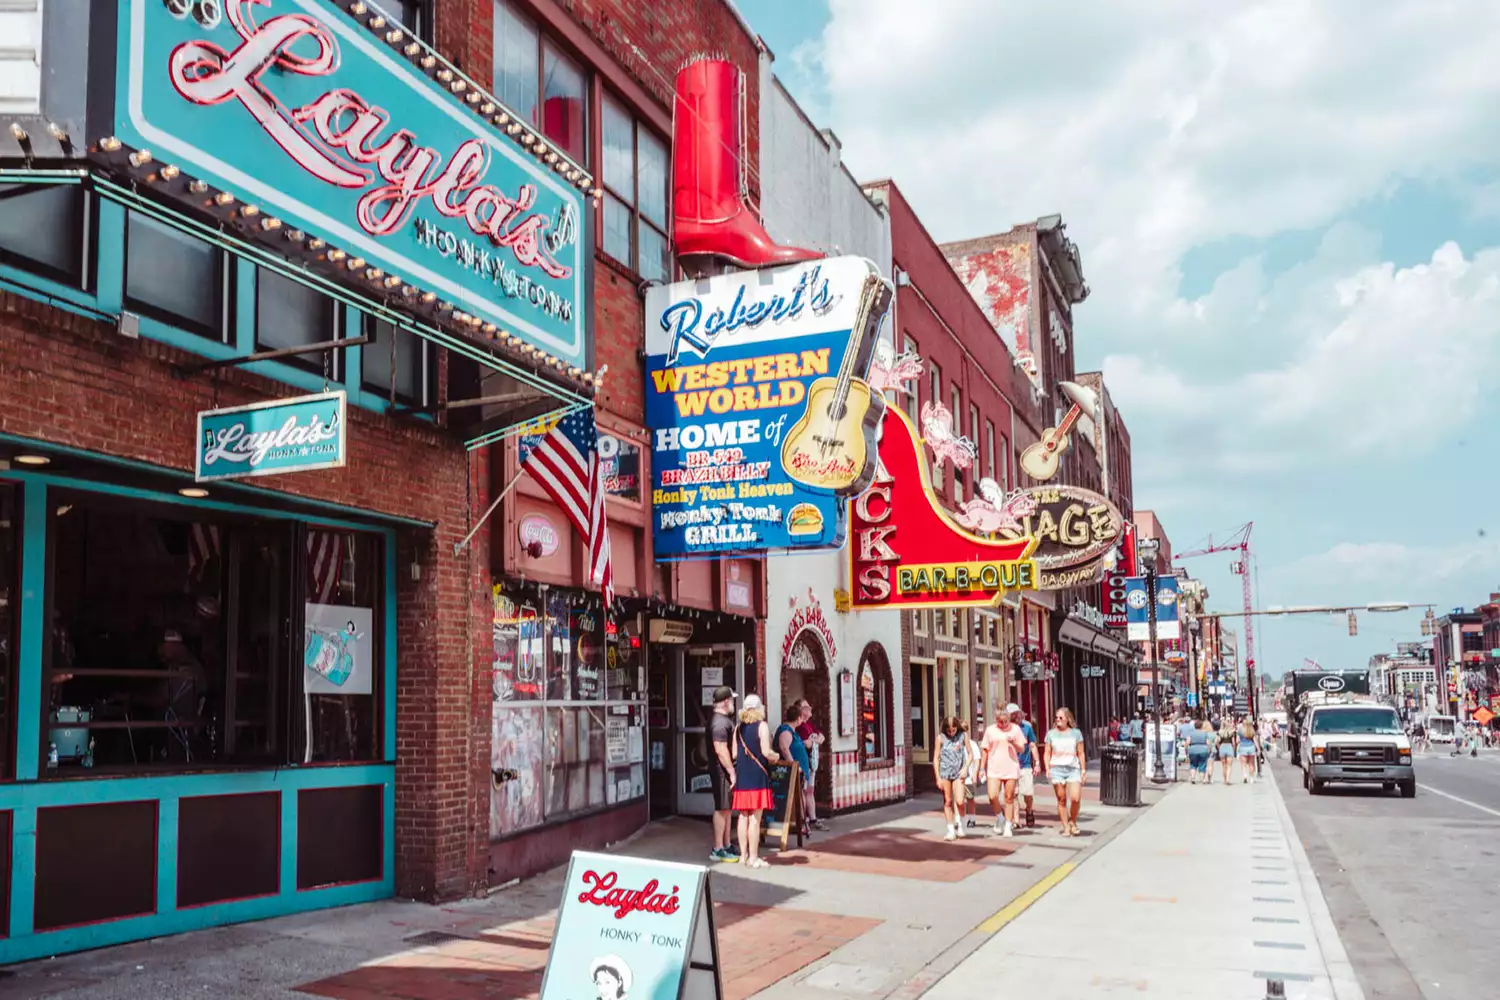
(568, 711)
(174, 639)
(10, 578)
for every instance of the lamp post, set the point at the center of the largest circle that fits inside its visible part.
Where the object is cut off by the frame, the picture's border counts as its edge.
(1148, 549)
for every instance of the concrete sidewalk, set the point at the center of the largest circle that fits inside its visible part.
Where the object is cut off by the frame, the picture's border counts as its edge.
(1209, 894)
(880, 906)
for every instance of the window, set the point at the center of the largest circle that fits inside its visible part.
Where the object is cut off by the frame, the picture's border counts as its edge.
(634, 172)
(393, 351)
(175, 640)
(957, 410)
(569, 721)
(291, 314)
(175, 278)
(940, 618)
(412, 14)
(44, 229)
(918, 622)
(911, 397)
(10, 600)
(935, 397)
(539, 83)
(876, 709)
(989, 448)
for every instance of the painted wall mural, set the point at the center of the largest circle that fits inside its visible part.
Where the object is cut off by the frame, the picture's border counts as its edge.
(999, 279)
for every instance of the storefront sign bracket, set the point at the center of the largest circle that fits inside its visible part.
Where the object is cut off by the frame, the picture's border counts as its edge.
(281, 352)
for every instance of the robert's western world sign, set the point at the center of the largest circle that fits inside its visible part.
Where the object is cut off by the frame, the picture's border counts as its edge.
(303, 112)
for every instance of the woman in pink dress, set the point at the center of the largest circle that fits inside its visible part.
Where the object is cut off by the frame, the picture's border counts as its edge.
(1001, 763)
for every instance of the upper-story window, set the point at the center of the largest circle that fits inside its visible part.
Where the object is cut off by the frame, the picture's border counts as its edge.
(935, 397)
(958, 430)
(539, 83)
(44, 229)
(414, 15)
(634, 172)
(910, 347)
(176, 278)
(290, 314)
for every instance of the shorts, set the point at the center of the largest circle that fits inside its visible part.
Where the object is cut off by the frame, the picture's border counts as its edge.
(1226, 752)
(1247, 749)
(723, 792)
(1066, 774)
(1198, 758)
(1025, 785)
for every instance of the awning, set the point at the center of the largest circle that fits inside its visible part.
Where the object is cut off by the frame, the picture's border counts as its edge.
(1079, 633)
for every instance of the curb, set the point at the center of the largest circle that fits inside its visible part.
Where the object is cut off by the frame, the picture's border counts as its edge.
(951, 957)
(1335, 959)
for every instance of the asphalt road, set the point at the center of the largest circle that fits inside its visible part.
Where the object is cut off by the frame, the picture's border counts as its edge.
(1411, 883)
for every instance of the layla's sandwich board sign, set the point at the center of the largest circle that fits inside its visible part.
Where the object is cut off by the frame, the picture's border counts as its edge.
(906, 551)
(762, 424)
(633, 927)
(341, 134)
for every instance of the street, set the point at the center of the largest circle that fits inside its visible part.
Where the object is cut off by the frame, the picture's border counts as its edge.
(1409, 882)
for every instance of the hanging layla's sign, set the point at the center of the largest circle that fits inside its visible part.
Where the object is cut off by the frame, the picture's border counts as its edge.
(762, 424)
(294, 119)
(268, 439)
(906, 551)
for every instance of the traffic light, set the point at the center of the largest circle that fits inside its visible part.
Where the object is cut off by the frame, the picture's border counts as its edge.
(1353, 624)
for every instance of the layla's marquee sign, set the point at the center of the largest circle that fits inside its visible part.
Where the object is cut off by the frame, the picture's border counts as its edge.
(906, 551)
(761, 422)
(324, 127)
(268, 439)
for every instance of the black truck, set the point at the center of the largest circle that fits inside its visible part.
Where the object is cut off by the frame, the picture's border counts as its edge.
(1296, 683)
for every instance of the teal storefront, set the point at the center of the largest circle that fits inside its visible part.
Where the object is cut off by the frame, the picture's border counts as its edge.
(208, 265)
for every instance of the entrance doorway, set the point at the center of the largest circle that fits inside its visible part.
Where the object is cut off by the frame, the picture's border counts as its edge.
(805, 675)
(698, 670)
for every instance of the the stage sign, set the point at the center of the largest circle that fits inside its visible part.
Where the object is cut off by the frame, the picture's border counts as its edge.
(761, 423)
(907, 551)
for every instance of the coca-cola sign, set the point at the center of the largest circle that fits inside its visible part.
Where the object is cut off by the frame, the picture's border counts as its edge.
(537, 535)
(342, 142)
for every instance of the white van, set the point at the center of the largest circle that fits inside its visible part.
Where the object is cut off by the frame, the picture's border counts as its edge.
(1442, 728)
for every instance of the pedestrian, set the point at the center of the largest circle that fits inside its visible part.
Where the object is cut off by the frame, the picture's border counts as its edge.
(1184, 729)
(1419, 737)
(1114, 729)
(1031, 764)
(812, 739)
(1001, 750)
(1066, 768)
(1226, 743)
(971, 780)
(753, 757)
(1247, 751)
(948, 767)
(1198, 753)
(1138, 730)
(721, 773)
(789, 745)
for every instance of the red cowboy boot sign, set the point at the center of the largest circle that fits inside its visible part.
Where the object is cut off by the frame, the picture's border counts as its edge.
(711, 215)
(906, 551)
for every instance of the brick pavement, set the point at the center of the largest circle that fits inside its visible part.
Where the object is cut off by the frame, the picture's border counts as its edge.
(758, 946)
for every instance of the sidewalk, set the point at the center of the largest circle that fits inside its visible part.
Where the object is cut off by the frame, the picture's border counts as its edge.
(862, 911)
(1210, 894)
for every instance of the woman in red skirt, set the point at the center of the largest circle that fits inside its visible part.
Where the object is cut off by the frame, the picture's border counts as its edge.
(753, 755)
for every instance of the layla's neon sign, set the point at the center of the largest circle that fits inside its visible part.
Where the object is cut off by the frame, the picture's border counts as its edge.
(334, 138)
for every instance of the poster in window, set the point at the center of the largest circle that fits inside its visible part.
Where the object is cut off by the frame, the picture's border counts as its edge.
(620, 465)
(846, 704)
(517, 742)
(617, 741)
(869, 713)
(588, 655)
(338, 650)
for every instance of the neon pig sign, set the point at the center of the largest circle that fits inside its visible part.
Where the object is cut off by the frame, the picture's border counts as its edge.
(297, 108)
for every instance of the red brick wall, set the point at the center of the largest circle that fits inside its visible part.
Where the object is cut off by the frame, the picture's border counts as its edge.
(73, 381)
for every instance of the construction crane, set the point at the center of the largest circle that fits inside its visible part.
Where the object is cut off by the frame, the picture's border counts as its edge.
(1237, 541)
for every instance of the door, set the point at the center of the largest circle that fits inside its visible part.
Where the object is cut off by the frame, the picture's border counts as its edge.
(699, 670)
(921, 712)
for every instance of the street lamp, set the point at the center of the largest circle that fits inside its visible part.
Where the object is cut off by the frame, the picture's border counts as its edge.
(1147, 550)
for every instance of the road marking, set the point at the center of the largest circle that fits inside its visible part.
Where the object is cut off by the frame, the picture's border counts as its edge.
(1291, 977)
(1275, 920)
(1017, 906)
(1265, 881)
(1288, 945)
(1455, 798)
(1270, 899)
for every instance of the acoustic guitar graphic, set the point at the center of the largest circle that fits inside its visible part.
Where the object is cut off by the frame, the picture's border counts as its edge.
(1040, 461)
(829, 447)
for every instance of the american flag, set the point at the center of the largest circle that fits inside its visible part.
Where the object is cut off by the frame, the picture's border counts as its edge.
(564, 458)
(203, 548)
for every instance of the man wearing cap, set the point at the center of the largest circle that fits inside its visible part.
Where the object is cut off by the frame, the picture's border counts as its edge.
(1031, 763)
(721, 773)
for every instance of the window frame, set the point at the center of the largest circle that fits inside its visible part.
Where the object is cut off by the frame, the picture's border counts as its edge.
(227, 294)
(428, 354)
(312, 361)
(9, 667)
(88, 239)
(546, 40)
(935, 397)
(633, 203)
(875, 659)
(956, 397)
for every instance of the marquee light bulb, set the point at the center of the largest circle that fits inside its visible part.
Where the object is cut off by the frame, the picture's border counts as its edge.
(169, 172)
(223, 199)
(140, 158)
(109, 144)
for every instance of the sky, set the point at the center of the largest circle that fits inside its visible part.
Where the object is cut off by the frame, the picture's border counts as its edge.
(1289, 215)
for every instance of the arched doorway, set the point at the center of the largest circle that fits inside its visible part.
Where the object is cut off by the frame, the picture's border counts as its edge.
(874, 714)
(804, 674)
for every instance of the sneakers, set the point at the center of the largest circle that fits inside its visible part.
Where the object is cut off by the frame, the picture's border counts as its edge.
(724, 854)
(971, 822)
(1008, 831)
(960, 828)
(950, 834)
(999, 825)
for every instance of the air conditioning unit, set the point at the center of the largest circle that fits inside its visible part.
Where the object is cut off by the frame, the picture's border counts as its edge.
(665, 630)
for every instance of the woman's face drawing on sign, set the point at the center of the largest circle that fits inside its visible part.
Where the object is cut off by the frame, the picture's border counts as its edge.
(608, 984)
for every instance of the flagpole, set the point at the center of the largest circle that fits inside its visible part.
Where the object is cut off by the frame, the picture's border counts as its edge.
(460, 546)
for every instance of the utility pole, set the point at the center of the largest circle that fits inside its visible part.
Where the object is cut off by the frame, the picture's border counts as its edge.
(1148, 550)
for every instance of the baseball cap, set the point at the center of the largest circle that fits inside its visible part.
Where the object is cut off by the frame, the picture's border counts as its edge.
(723, 693)
(753, 701)
(1012, 708)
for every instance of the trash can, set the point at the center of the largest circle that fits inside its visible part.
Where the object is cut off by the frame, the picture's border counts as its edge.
(1120, 775)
